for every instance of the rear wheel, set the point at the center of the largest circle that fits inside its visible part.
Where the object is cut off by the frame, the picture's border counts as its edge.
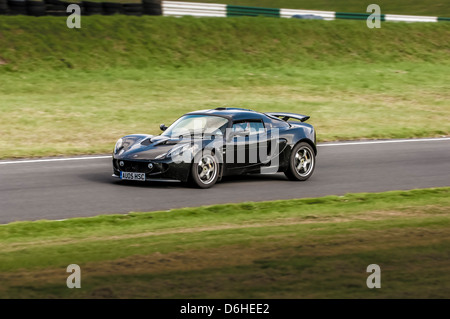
(205, 170)
(301, 162)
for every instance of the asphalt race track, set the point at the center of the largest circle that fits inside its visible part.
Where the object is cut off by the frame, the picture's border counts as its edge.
(64, 188)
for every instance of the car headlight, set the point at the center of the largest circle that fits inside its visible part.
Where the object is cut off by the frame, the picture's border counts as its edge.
(161, 156)
(118, 146)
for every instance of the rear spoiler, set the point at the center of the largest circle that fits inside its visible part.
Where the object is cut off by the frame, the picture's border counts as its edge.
(286, 116)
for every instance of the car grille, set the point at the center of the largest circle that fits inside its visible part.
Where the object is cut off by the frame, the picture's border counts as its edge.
(139, 167)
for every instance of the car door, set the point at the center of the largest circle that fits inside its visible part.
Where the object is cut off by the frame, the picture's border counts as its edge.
(243, 144)
(276, 143)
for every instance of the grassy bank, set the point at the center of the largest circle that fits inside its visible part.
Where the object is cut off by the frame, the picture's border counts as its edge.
(285, 249)
(106, 42)
(76, 91)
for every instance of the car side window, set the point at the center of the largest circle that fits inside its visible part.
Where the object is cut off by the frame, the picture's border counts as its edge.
(240, 127)
(254, 127)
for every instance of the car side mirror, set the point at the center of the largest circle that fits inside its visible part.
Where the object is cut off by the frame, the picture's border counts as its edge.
(163, 127)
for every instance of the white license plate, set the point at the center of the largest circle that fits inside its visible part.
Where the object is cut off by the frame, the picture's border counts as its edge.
(130, 176)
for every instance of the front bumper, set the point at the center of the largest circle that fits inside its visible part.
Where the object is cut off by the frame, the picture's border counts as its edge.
(160, 170)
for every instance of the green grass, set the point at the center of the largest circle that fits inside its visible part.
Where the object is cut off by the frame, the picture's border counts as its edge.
(69, 91)
(423, 7)
(107, 42)
(305, 248)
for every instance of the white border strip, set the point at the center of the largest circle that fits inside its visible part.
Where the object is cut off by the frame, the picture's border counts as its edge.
(405, 18)
(56, 159)
(388, 141)
(288, 13)
(177, 8)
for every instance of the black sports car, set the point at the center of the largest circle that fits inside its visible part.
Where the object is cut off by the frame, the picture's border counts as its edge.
(203, 146)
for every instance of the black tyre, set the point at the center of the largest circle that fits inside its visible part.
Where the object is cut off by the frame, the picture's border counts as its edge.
(17, 7)
(3, 7)
(56, 2)
(91, 8)
(205, 170)
(152, 11)
(66, 4)
(110, 8)
(36, 8)
(150, 2)
(302, 162)
(34, 3)
(132, 9)
(152, 7)
(55, 7)
(55, 10)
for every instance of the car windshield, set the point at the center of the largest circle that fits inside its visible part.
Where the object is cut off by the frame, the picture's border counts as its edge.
(197, 124)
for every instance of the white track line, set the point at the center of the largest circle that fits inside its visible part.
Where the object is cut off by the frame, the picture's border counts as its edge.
(388, 141)
(321, 145)
(56, 160)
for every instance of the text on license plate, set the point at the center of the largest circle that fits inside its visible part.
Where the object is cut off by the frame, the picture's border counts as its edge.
(132, 176)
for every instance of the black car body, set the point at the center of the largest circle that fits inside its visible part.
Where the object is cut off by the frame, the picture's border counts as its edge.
(203, 146)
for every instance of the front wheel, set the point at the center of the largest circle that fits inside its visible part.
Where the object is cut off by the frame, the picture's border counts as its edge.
(205, 170)
(301, 162)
